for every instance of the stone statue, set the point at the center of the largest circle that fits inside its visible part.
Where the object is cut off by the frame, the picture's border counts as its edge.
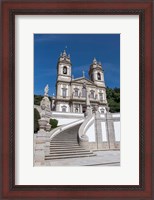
(46, 90)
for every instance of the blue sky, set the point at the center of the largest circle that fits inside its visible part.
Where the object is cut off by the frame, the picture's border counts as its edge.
(82, 49)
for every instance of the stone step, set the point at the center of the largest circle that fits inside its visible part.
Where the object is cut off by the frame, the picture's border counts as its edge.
(65, 138)
(69, 151)
(67, 156)
(63, 141)
(66, 147)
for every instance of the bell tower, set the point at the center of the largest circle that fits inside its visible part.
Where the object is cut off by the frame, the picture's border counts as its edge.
(64, 67)
(96, 73)
(63, 86)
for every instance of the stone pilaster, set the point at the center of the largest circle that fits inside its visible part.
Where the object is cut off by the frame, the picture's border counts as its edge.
(98, 129)
(110, 130)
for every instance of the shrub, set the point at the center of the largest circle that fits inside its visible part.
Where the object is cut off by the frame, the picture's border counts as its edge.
(53, 123)
(36, 118)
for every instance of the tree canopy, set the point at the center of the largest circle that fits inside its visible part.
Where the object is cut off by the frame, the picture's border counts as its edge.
(113, 98)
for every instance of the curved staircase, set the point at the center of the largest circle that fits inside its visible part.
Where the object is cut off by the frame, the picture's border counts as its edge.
(65, 145)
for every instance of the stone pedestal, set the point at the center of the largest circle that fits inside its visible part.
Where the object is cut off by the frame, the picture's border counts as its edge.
(84, 142)
(42, 123)
(39, 148)
(48, 127)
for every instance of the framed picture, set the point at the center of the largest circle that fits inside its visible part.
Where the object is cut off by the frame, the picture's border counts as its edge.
(77, 99)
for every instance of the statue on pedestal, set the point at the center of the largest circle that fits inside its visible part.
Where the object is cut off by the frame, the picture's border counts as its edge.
(46, 90)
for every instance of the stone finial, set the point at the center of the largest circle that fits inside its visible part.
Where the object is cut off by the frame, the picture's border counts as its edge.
(83, 73)
(94, 60)
(46, 90)
(64, 53)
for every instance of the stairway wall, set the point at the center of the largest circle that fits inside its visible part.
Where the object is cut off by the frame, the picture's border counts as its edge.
(104, 133)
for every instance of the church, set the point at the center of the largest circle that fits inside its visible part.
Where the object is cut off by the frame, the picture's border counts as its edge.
(71, 92)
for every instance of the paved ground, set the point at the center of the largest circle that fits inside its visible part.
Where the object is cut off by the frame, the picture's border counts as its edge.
(102, 158)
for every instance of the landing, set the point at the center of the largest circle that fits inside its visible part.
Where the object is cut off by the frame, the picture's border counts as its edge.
(102, 158)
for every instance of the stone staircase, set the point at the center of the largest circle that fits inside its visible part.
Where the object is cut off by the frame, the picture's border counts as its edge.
(65, 145)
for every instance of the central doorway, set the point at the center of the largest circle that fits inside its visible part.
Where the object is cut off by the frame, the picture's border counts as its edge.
(83, 108)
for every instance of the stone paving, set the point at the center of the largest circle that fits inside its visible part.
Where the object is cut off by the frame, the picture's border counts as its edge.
(102, 158)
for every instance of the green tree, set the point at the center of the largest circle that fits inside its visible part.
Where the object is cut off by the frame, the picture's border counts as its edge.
(36, 118)
(113, 98)
(53, 123)
(38, 98)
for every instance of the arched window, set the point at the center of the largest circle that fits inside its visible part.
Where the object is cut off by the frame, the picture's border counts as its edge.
(64, 92)
(102, 110)
(63, 108)
(76, 92)
(99, 76)
(83, 92)
(64, 70)
(92, 92)
(101, 95)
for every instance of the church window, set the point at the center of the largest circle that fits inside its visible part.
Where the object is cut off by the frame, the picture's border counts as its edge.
(64, 92)
(92, 92)
(101, 96)
(102, 110)
(99, 76)
(63, 108)
(64, 70)
(83, 92)
(76, 92)
(76, 108)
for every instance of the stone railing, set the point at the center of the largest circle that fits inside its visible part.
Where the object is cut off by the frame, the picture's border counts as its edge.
(83, 138)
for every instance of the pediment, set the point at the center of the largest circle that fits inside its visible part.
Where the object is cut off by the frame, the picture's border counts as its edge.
(82, 80)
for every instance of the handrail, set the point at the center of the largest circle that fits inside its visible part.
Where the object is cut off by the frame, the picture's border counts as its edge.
(83, 138)
(57, 130)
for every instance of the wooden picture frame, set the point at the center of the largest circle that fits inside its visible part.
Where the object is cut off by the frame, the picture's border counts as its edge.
(12, 8)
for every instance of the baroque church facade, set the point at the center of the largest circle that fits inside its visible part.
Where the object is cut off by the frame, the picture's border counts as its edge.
(71, 92)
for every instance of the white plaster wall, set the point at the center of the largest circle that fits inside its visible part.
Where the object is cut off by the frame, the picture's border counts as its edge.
(91, 133)
(116, 115)
(62, 121)
(102, 115)
(80, 115)
(117, 131)
(104, 134)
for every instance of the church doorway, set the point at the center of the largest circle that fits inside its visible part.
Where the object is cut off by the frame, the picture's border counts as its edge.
(83, 108)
